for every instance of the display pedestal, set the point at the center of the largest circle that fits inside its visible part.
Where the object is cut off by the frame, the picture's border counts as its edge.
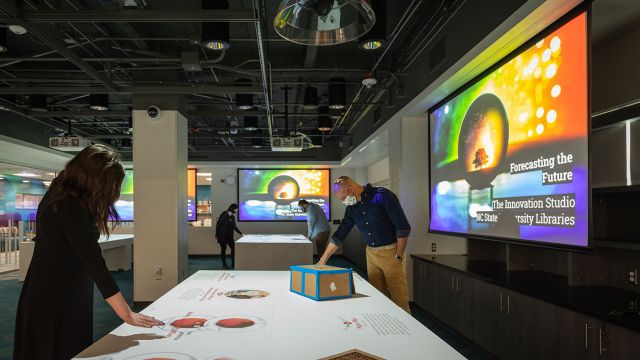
(272, 252)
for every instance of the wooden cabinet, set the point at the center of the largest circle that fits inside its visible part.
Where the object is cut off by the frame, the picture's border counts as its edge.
(512, 325)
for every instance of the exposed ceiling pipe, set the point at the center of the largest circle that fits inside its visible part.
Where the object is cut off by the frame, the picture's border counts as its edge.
(263, 67)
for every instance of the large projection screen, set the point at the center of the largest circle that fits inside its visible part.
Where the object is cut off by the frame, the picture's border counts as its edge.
(273, 194)
(509, 152)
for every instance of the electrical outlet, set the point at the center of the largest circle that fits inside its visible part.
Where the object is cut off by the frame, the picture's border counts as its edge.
(158, 273)
(433, 247)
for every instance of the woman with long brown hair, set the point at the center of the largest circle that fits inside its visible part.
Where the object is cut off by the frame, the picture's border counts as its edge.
(55, 312)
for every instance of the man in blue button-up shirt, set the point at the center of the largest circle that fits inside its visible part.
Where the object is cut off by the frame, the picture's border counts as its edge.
(378, 215)
(317, 224)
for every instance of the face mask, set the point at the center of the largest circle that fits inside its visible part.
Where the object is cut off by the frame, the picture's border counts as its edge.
(350, 200)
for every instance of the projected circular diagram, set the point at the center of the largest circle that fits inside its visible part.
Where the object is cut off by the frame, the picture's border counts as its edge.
(246, 294)
(162, 356)
(190, 323)
(283, 189)
(239, 323)
(483, 140)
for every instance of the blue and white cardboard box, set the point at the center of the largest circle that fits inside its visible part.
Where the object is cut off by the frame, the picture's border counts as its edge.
(321, 282)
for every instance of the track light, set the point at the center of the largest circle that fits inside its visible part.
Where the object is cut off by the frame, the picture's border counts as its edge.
(38, 102)
(251, 123)
(244, 101)
(324, 121)
(3, 40)
(323, 22)
(310, 98)
(99, 102)
(376, 38)
(337, 93)
(215, 35)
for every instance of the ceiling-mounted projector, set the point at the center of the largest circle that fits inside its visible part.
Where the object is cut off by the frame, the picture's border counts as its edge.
(288, 144)
(68, 143)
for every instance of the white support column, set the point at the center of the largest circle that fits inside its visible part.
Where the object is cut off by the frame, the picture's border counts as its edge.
(160, 198)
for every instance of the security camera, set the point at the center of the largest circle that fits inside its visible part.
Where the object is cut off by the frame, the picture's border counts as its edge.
(153, 112)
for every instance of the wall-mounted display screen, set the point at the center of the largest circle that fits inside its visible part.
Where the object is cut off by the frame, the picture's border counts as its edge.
(273, 194)
(509, 152)
(19, 198)
(124, 205)
(191, 194)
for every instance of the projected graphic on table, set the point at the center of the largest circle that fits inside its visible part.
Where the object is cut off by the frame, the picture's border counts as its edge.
(273, 194)
(246, 294)
(197, 322)
(509, 154)
(162, 356)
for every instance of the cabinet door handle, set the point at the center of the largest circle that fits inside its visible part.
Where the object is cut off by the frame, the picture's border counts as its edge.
(501, 306)
(508, 305)
(452, 283)
(586, 335)
(458, 284)
(601, 350)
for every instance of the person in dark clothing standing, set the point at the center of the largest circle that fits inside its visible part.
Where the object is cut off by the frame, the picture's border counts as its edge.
(225, 227)
(55, 311)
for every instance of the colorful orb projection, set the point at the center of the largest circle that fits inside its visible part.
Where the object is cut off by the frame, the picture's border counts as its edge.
(284, 189)
(189, 323)
(483, 140)
(235, 323)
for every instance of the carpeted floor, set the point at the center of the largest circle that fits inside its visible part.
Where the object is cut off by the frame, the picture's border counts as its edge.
(105, 320)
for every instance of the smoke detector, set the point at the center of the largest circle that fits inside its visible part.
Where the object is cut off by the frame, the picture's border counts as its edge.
(369, 81)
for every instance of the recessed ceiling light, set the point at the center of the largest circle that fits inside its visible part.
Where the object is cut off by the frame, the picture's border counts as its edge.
(17, 29)
(26, 181)
(27, 174)
(208, 179)
(204, 174)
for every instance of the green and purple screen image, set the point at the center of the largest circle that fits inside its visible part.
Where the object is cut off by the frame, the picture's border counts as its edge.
(124, 205)
(273, 194)
(509, 154)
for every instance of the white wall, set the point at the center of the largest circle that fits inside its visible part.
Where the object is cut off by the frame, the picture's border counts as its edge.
(379, 172)
(409, 175)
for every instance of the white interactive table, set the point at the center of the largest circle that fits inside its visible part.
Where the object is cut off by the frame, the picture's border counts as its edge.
(208, 318)
(272, 252)
(116, 250)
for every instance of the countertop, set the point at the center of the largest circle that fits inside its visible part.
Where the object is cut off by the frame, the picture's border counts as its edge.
(597, 301)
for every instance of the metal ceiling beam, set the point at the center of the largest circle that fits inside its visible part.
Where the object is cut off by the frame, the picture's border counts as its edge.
(58, 46)
(137, 16)
(126, 114)
(135, 90)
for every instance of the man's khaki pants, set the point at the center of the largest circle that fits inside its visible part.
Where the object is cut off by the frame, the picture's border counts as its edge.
(388, 274)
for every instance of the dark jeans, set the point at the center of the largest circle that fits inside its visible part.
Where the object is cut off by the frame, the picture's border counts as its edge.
(223, 248)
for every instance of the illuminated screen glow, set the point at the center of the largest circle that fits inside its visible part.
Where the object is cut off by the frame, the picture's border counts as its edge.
(509, 154)
(273, 194)
(191, 194)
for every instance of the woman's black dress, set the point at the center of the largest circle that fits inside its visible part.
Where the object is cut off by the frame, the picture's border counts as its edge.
(55, 312)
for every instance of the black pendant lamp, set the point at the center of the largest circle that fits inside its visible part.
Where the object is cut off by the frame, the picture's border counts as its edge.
(337, 93)
(251, 123)
(376, 38)
(38, 102)
(316, 139)
(324, 121)
(257, 142)
(99, 102)
(310, 98)
(215, 35)
(244, 101)
(3, 40)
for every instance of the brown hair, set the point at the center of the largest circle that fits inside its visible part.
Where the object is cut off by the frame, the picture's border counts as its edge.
(94, 177)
